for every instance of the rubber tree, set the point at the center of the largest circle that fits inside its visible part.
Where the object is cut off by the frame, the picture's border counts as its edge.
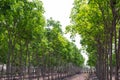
(96, 21)
(19, 19)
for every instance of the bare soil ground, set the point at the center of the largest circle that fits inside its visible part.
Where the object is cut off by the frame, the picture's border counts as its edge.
(82, 76)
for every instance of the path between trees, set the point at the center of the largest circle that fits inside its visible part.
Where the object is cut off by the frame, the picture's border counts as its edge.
(83, 76)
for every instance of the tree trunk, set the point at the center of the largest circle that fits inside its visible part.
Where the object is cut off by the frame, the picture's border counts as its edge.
(111, 68)
(9, 55)
(118, 58)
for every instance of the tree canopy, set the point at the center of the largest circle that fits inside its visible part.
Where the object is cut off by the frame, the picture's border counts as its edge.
(97, 22)
(27, 38)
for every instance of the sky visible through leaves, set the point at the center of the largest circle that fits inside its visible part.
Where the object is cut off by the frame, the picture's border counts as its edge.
(60, 10)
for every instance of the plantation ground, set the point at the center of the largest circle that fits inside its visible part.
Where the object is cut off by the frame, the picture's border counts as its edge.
(82, 76)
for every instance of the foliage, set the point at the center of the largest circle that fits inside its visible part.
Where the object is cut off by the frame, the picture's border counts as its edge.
(61, 47)
(27, 39)
(97, 23)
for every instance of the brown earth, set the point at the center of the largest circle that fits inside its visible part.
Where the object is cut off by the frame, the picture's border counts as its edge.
(83, 76)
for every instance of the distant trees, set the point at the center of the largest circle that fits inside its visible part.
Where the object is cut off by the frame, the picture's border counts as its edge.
(60, 46)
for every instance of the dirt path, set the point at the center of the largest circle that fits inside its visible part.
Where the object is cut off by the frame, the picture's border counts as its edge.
(82, 76)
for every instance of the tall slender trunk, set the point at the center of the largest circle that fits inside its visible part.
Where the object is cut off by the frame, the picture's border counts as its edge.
(118, 58)
(9, 54)
(38, 71)
(27, 59)
(111, 67)
(43, 65)
(100, 63)
(21, 59)
(114, 15)
(13, 55)
(107, 59)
